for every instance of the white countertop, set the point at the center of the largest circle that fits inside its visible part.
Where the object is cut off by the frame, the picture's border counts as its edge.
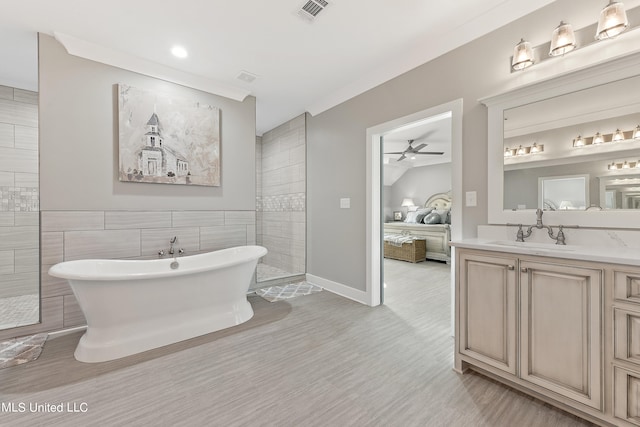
(614, 255)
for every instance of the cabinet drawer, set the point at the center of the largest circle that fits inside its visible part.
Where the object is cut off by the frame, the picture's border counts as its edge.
(626, 286)
(627, 395)
(627, 335)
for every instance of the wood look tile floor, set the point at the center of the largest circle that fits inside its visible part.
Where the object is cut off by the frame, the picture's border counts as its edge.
(317, 360)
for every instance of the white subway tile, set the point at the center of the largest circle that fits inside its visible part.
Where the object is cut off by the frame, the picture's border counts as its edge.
(72, 220)
(52, 247)
(115, 220)
(26, 138)
(197, 218)
(7, 135)
(17, 160)
(101, 244)
(25, 237)
(214, 238)
(239, 217)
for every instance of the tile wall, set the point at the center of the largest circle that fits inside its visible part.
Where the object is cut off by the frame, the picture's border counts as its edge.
(18, 192)
(281, 195)
(71, 235)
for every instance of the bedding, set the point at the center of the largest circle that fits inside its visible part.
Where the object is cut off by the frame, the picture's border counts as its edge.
(437, 235)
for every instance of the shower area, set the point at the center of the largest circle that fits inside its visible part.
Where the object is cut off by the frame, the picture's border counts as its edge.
(281, 202)
(19, 206)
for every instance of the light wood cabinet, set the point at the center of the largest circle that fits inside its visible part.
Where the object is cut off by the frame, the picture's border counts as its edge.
(545, 325)
(488, 315)
(560, 329)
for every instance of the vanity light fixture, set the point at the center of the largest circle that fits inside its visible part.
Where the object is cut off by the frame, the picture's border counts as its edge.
(522, 56)
(613, 21)
(618, 136)
(535, 148)
(597, 138)
(636, 133)
(509, 152)
(579, 142)
(524, 150)
(614, 166)
(563, 40)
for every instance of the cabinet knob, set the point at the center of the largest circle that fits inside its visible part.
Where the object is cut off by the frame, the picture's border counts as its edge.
(524, 269)
(510, 267)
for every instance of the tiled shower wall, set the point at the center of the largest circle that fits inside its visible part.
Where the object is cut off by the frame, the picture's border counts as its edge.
(70, 235)
(18, 192)
(281, 195)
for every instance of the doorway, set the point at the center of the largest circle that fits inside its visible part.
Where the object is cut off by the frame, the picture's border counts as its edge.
(375, 209)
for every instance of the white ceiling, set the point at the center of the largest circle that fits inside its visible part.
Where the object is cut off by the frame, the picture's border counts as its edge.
(352, 46)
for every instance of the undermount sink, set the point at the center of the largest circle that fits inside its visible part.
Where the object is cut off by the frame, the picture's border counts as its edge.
(532, 245)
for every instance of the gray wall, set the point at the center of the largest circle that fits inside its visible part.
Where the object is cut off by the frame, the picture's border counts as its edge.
(337, 138)
(79, 141)
(419, 184)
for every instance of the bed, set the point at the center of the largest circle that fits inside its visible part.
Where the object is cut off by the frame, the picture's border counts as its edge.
(437, 236)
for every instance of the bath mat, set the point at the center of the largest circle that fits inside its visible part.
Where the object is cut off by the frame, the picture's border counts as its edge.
(292, 290)
(21, 350)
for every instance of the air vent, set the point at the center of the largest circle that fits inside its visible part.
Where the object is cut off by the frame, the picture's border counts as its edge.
(312, 8)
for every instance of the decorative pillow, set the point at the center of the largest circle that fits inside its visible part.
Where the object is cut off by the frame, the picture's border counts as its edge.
(442, 213)
(433, 218)
(421, 213)
(411, 217)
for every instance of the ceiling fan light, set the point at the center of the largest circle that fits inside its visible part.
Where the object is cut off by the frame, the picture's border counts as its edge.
(522, 56)
(563, 40)
(613, 21)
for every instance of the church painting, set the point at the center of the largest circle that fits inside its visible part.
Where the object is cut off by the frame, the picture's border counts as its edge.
(167, 140)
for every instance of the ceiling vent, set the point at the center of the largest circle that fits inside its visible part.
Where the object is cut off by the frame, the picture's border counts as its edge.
(312, 8)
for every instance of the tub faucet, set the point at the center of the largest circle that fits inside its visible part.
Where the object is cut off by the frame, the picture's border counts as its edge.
(172, 241)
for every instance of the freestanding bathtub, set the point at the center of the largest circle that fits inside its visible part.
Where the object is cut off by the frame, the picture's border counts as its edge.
(133, 306)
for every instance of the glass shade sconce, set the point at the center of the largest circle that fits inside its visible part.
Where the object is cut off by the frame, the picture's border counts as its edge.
(563, 40)
(615, 166)
(613, 21)
(522, 56)
(598, 138)
(523, 150)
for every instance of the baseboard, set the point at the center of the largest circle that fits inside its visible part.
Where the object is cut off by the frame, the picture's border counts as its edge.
(339, 289)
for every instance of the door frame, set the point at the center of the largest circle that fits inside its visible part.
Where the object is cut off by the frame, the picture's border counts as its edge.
(374, 253)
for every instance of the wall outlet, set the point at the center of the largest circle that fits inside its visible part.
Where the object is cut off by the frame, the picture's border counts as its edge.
(471, 198)
(345, 203)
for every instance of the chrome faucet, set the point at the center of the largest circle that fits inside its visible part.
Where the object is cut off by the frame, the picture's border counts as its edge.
(171, 251)
(172, 241)
(521, 235)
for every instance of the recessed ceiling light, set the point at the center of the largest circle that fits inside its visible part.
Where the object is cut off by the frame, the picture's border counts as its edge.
(179, 51)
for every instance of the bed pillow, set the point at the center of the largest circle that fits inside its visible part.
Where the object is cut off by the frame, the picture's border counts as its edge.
(432, 218)
(422, 213)
(442, 213)
(411, 217)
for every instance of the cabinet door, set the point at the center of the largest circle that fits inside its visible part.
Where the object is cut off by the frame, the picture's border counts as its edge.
(561, 330)
(487, 329)
(627, 395)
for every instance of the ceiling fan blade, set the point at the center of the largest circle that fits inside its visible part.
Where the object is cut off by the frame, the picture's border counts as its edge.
(401, 157)
(419, 147)
(430, 152)
(396, 152)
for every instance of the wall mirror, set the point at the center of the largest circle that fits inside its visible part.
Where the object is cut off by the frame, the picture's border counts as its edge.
(585, 126)
(19, 182)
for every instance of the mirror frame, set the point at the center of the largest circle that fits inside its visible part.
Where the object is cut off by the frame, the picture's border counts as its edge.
(616, 69)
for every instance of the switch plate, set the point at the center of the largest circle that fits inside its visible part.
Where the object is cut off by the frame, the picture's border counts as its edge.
(471, 198)
(345, 203)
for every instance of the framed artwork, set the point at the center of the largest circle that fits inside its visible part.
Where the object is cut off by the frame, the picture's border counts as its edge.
(167, 140)
(397, 216)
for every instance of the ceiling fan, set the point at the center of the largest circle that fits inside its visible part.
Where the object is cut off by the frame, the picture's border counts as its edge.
(411, 150)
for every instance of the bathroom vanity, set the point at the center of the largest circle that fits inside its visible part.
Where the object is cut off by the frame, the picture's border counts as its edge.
(561, 323)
